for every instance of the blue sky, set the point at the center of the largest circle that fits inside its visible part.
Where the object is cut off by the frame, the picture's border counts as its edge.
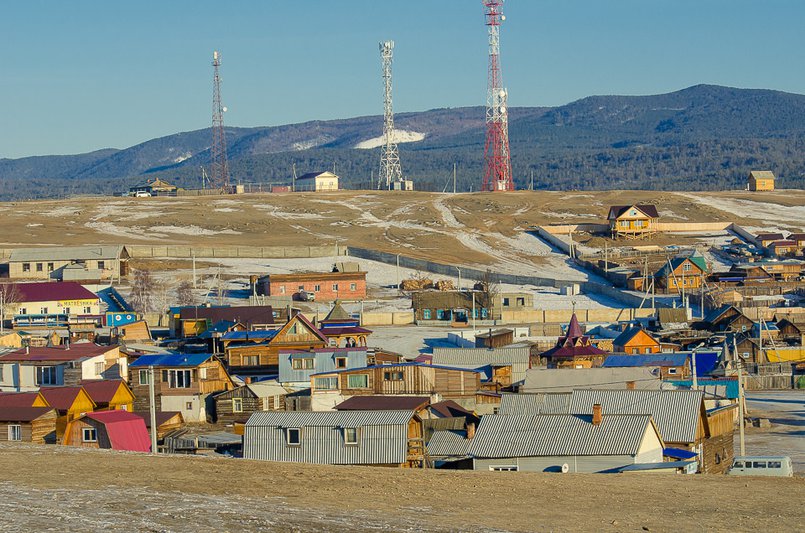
(88, 74)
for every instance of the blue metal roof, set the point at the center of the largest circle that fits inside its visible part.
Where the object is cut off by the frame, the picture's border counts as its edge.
(171, 360)
(705, 361)
(250, 335)
(637, 467)
(396, 365)
(678, 453)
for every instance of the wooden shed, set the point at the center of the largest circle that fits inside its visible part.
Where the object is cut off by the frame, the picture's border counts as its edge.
(115, 430)
(110, 394)
(238, 404)
(28, 424)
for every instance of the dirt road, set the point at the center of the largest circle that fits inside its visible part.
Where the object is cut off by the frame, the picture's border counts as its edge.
(97, 491)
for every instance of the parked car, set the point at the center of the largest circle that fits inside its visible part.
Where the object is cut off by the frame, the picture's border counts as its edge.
(762, 466)
(142, 194)
(304, 296)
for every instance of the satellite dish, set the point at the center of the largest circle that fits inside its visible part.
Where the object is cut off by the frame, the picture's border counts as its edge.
(565, 468)
(225, 109)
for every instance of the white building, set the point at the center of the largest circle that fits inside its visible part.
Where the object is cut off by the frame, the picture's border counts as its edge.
(317, 182)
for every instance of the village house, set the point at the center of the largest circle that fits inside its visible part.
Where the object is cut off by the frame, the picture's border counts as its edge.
(680, 274)
(573, 350)
(501, 368)
(632, 221)
(69, 263)
(296, 366)
(595, 442)
(192, 321)
(30, 368)
(110, 430)
(154, 187)
(258, 356)
(110, 394)
(238, 404)
(727, 318)
(28, 424)
(792, 328)
(136, 332)
(318, 286)
(798, 238)
(342, 329)
(167, 421)
(411, 379)
(783, 248)
(23, 399)
(671, 365)
(765, 239)
(636, 340)
(450, 306)
(566, 379)
(51, 304)
(373, 438)
(316, 182)
(69, 402)
(494, 338)
(182, 382)
(761, 180)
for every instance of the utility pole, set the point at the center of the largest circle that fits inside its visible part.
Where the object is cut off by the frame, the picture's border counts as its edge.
(454, 178)
(741, 406)
(473, 312)
(153, 409)
(194, 270)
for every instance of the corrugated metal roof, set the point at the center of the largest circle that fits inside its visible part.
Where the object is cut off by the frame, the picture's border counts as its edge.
(676, 412)
(551, 435)
(391, 366)
(335, 419)
(534, 404)
(48, 291)
(171, 360)
(479, 356)
(66, 253)
(250, 335)
(23, 414)
(379, 402)
(452, 443)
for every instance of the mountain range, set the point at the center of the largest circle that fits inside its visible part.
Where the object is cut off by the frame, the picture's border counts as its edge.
(701, 138)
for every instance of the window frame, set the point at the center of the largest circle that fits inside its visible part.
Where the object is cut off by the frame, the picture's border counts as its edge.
(293, 442)
(145, 377)
(504, 468)
(340, 362)
(298, 363)
(92, 432)
(47, 371)
(237, 405)
(351, 377)
(393, 375)
(332, 382)
(351, 430)
(15, 432)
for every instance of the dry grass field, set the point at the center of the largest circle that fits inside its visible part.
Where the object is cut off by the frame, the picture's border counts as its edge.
(469, 229)
(51, 487)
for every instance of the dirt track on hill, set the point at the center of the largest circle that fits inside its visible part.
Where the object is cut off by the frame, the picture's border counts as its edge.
(93, 491)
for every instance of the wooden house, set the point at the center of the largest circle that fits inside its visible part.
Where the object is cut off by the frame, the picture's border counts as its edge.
(28, 424)
(342, 330)
(761, 180)
(636, 340)
(134, 332)
(167, 421)
(798, 238)
(10, 339)
(238, 404)
(182, 382)
(23, 399)
(784, 248)
(728, 318)
(501, 368)
(110, 394)
(632, 221)
(296, 366)
(668, 365)
(494, 338)
(297, 334)
(765, 239)
(680, 274)
(372, 438)
(410, 379)
(792, 328)
(154, 187)
(69, 402)
(573, 350)
(192, 321)
(316, 182)
(112, 430)
(432, 306)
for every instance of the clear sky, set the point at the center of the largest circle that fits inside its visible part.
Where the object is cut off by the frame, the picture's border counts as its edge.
(88, 74)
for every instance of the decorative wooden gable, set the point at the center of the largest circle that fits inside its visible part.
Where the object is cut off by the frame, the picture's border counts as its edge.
(299, 330)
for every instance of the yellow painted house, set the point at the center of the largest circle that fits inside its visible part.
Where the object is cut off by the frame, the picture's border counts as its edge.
(633, 220)
(761, 180)
(635, 340)
(69, 402)
(110, 394)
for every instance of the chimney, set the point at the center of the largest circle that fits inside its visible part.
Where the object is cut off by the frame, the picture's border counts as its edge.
(630, 385)
(470, 431)
(597, 415)
(247, 380)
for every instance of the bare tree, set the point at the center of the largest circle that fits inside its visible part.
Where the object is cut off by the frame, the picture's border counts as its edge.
(9, 298)
(184, 294)
(142, 291)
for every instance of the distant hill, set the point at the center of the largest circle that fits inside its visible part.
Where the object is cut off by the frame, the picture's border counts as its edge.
(701, 138)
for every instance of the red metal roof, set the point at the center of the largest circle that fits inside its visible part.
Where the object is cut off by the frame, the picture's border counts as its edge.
(17, 399)
(574, 344)
(126, 431)
(102, 390)
(383, 403)
(61, 398)
(22, 414)
(57, 353)
(50, 291)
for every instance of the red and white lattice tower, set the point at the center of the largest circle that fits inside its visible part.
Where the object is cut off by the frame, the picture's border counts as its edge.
(497, 165)
(219, 168)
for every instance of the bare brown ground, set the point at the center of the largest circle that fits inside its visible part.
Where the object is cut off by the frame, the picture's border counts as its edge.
(452, 228)
(170, 493)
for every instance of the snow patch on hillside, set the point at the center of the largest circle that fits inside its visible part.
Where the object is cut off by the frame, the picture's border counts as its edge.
(399, 137)
(183, 157)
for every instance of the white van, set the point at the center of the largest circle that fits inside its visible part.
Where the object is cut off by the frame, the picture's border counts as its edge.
(762, 466)
(142, 194)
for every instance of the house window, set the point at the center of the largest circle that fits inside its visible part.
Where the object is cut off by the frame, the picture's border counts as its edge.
(89, 435)
(188, 406)
(635, 351)
(179, 379)
(237, 405)
(40, 267)
(639, 223)
(43, 310)
(426, 314)
(67, 312)
(46, 375)
(23, 311)
(26, 267)
(353, 287)
(686, 267)
(340, 362)
(335, 286)
(503, 468)
(292, 330)
(303, 363)
(330, 383)
(87, 310)
(484, 312)
(100, 366)
(301, 287)
(440, 314)
(505, 302)
(316, 288)
(672, 370)
(50, 267)
(282, 289)
(358, 381)
(293, 436)
(145, 377)
(351, 436)
(521, 301)
(624, 223)
(648, 350)
(392, 376)
(101, 265)
(250, 360)
(14, 432)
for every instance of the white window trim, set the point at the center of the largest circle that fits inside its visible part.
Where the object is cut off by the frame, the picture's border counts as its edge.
(504, 468)
(288, 436)
(86, 431)
(357, 436)
(14, 432)
(237, 405)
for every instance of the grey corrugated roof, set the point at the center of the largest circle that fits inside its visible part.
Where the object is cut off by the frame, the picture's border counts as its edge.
(66, 253)
(552, 435)
(534, 404)
(676, 412)
(287, 419)
(568, 379)
(480, 356)
(448, 444)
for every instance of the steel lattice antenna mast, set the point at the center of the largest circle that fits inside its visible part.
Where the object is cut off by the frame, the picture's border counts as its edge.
(390, 168)
(497, 165)
(219, 169)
